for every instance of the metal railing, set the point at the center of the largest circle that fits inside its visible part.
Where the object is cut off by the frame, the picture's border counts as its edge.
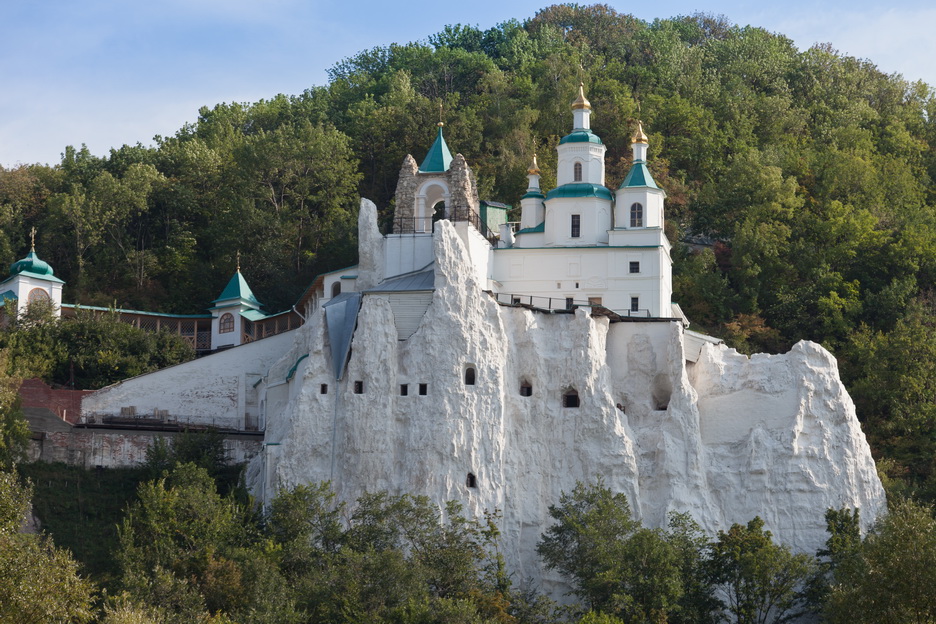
(426, 225)
(559, 304)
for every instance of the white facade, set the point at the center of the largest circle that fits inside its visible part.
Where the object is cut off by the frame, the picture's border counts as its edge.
(583, 244)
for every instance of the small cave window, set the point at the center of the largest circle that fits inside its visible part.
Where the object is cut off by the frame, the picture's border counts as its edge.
(358, 387)
(570, 398)
(470, 376)
(471, 481)
(423, 389)
(323, 389)
(336, 289)
(577, 172)
(636, 215)
(404, 389)
(226, 324)
(526, 388)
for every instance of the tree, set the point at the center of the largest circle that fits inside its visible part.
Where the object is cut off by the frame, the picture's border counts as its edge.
(14, 430)
(761, 580)
(887, 577)
(39, 583)
(613, 564)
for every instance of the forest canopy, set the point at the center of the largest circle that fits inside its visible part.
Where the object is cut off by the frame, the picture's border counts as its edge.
(799, 182)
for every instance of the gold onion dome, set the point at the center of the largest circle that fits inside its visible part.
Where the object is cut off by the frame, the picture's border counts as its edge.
(580, 101)
(639, 136)
(534, 168)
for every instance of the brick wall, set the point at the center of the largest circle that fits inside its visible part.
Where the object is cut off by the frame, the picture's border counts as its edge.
(66, 404)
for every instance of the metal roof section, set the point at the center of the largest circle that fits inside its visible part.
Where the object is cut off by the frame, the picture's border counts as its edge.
(417, 281)
(237, 289)
(533, 230)
(580, 189)
(9, 294)
(581, 136)
(639, 176)
(45, 277)
(439, 157)
(78, 306)
(340, 320)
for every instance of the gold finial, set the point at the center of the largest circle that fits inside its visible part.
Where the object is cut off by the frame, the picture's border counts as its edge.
(441, 123)
(238, 260)
(534, 168)
(639, 136)
(32, 239)
(580, 102)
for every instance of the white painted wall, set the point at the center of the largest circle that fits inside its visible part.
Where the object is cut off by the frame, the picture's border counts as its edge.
(210, 390)
(404, 253)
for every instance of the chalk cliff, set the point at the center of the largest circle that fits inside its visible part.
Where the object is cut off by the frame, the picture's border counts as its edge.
(726, 438)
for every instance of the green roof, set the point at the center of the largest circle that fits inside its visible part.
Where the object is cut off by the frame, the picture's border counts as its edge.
(579, 189)
(536, 194)
(46, 277)
(533, 230)
(439, 157)
(580, 136)
(9, 294)
(237, 289)
(639, 176)
(31, 264)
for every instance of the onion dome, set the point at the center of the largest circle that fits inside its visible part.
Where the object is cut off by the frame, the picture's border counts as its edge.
(31, 264)
(639, 136)
(580, 102)
(534, 168)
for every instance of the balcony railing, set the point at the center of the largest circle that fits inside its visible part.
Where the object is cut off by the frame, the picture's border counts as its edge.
(426, 225)
(560, 304)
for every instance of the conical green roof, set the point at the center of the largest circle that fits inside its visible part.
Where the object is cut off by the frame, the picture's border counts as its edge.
(439, 157)
(639, 175)
(237, 289)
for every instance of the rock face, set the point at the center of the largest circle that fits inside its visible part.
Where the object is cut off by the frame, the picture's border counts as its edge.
(726, 438)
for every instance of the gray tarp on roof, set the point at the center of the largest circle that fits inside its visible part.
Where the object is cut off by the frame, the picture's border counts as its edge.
(418, 281)
(340, 320)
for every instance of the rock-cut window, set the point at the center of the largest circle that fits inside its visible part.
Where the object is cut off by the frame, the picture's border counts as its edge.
(636, 215)
(570, 398)
(470, 376)
(226, 324)
(577, 172)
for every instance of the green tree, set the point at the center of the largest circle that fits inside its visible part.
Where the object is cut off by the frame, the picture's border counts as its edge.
(761, 580)
(14, 430)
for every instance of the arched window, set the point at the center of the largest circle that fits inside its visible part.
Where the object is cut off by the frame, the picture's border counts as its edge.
(470, 376)
(636, 215)
(336, 289)
(570, 398)
(226, 324)
(577, 172)
(38, 294)
(472, 480)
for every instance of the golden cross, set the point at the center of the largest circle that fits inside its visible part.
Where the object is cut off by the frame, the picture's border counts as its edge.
(32, 238)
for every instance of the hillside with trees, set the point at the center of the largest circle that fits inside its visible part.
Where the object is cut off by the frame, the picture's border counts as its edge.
(801, 205)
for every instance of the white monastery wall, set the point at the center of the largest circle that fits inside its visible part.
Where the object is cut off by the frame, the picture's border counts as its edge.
(670, 438)
(216, 390)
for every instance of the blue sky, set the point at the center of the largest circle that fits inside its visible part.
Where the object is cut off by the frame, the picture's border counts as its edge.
(109, 72)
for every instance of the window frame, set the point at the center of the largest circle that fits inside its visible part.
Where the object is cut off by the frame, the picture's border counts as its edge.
(226, 323)
(636, 215)
(575, 226)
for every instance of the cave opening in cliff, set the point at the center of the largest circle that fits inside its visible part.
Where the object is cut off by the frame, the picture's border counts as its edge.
(570, 398)
(470, 376)
(526, 388)
(472, 480)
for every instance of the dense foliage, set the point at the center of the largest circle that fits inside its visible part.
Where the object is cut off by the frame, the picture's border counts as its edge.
(803, 177)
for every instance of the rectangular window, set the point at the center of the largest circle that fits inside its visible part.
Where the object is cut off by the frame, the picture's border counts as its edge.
(404, 389)
(635, 304)
(358, 387)
(423, 389)
(569, 303)
(635, 267)
(323, 389)
(576, 226)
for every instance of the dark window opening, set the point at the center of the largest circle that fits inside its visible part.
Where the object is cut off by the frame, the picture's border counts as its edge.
(516, 300)
(423, 389)
(404, 389)
(471, 481)
(635, 304)
(323, 389)
(336, 289)
(469, 376)
(576, 226)
(570, 399)
(570, 304)
(526, 388)
(577, 172)
(358, 387)
(636, 215)
(635, 267)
